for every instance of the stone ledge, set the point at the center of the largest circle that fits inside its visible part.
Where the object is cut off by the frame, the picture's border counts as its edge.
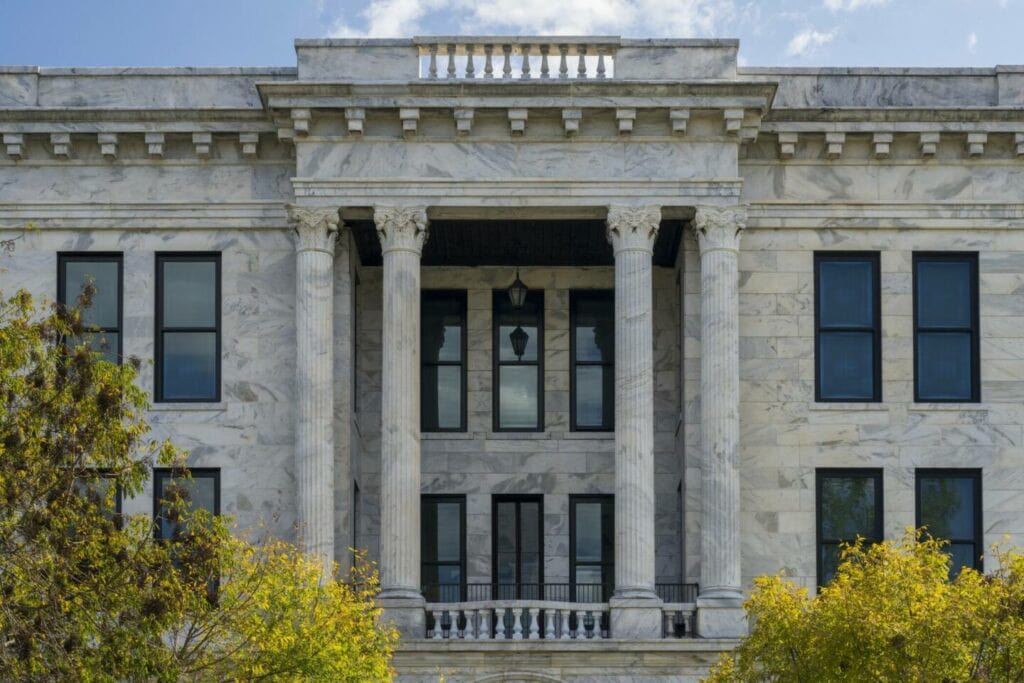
(550, 646)
(948, 407)
(848, 407)
(218, 407)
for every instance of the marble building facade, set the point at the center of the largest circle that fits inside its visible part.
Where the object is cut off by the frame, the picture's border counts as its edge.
(702, 197)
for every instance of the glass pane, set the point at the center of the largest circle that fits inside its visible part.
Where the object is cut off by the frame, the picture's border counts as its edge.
(506, 570)
(829, 562)
(944, 294)
(442, 328)
(449, 574)
(189, 365)
(200, 493)
(944, 366)
(529, 518)
(947, 506)
(595, 329)
(442, 397)
(962, 555)
(104, 343)
(847, 508)
(506, 541)
(588, 532)
(588, 583)
(189, 294)
(594, 395)
(449, 532)
(505, 339)
(517, 397)
(527, 318)
(97, 491)
(103, 311)
(846, 293)
(846, 365)
(530, 570)
(428, 538)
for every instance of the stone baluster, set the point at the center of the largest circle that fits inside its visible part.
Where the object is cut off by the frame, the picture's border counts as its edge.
(470, 67)
(469, 633)
(581, 625)
(484, 619)
(563, 616)
(432, 66)
(669, 621)
(517, 623)
(525, 70)
(719, 604)
(438, 625)
(402, 232)
(549, 624)
(317, 231)
(488, 64)
(636, 610)
(600, 64)
(453, 625)
(563, 63)
(534, 624)
(499, 623)
(506, 67)
(545, 70)
(581, 67)
(597, 625)
(451, 60)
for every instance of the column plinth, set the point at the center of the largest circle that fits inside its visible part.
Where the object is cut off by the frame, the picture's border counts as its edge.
(402, 232)
(316, 231)
(719, 603)
(635, 608)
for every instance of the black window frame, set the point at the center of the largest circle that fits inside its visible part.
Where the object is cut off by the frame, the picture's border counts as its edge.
(163, 257)
(972, 473)
(607, 566)
(459, 295)
(64, 257)
(874, 258)
(118, 512)
(575, 296)
(518, 499)
(195, 473)
(971, 257)
(822, 473)
(502, 294)
(460, 498)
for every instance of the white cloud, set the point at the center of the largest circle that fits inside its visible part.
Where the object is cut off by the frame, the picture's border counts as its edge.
(972, 41)
(665, 18)
(852, 5)
(808, 41)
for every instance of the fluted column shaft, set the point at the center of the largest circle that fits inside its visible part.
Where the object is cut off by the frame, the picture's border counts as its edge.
(402, 232)
(718, 234)
(316, 231)
(632, 231)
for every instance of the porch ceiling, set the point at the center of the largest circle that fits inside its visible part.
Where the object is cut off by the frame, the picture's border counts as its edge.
(517, 242)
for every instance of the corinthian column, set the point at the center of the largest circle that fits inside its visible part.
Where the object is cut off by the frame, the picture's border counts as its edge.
(719, 604)
(402, 232)
(636, 612)
(316, 230)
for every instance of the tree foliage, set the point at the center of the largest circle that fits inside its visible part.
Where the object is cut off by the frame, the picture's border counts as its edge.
(891, 614)
(88, 595)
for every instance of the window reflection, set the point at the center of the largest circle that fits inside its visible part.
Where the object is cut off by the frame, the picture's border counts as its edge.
(443, 347)
(593, 357)
(847, 327)
(949, 506)
(518, 390)
(849, 506)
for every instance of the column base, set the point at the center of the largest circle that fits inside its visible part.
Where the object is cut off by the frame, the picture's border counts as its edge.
(635, 618)
(721, 617)
(406, 614)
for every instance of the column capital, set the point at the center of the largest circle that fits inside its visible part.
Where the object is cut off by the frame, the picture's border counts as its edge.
(317, 228)
(401, 228)
(633, 228)
(719, 227)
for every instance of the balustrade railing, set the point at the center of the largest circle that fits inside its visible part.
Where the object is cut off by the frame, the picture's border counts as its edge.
(521, 58)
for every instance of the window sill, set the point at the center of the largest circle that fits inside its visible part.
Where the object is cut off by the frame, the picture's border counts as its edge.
(952, 407)
(849, 406)
(446, 436)
(590, 436)
(197, 407)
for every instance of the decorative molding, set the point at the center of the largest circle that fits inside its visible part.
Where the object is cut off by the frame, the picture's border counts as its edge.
(302, 119)
(976, 144)
(633, 228)
(882, 144)
(317, 229)
(625, 118)
(61, 145)
(834, 145)
(108, 144)
(571, 119)
(202, 142)
(1018, 140)
(15, 144)
(679, 118)
(354, 118)
(517, 121)
(463, 120)
(250, 143)
(154, 144)
(401, 227)
(787, 145)
(410, 118)
(719, 227)
(733, 121)
(929, 143)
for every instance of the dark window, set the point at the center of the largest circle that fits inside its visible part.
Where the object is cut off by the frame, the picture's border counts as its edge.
(591, 547)
(187, 327)
(518, 547)
(96, 488)
(849, 505)
(946, 365)
(105, 271)
(519, 378)
(848, 327)
(592, 382)
(444, 361)
(949, 505)
(201, 491)
(443, 547)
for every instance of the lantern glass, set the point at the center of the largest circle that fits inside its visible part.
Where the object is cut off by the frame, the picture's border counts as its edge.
(519, 339)
(517, 292)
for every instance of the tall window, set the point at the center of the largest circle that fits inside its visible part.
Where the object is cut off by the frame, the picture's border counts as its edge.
(949, 505)
(518, 547)
(105, 271)
(946, 365)
(443, 547)
(848, 327)
(591, 547)
(849, 506)
(592, 382)
(187, 327)
(518, 363)
(201, 491)
(443, 404)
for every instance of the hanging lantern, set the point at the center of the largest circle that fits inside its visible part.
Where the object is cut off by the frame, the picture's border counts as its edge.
(517, 293)
(519, 339)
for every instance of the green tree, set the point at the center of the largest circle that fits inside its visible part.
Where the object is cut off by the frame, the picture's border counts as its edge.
(891, 614)
(88, 595)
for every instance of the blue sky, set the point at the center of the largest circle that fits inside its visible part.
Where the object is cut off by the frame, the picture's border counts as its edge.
(260, 32)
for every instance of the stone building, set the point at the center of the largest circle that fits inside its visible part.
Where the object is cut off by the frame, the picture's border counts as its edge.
(575, 336)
